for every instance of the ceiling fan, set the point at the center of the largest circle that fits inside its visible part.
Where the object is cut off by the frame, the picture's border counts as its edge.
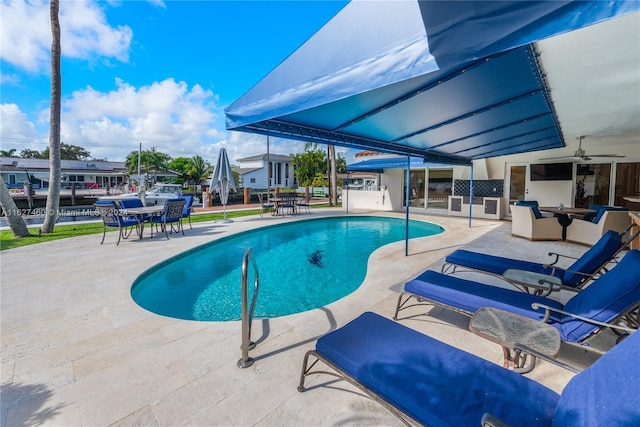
(580, 154)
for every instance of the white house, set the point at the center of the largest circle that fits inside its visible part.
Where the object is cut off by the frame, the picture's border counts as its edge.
(500, 181)
(84, 174)
(253, 171)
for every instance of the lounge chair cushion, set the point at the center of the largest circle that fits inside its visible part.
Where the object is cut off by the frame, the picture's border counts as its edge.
(495, 264)
(434, 383)
(469, 296)
(616, 291)
(605, 394)
(596, 256)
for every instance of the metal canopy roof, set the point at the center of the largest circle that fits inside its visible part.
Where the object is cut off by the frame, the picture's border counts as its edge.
(444, 81)
(378, 165)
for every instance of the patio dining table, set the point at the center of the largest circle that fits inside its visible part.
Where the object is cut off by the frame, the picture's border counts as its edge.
(279, 201)
(565, 215)
(139, 213)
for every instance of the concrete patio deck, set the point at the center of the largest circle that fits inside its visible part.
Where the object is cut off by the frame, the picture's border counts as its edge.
(78, 351)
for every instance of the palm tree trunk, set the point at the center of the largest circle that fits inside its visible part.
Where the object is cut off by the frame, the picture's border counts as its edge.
(53, 197)
(14, 219)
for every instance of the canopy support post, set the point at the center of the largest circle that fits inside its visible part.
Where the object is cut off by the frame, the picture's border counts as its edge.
(471, 195)
(407, 195)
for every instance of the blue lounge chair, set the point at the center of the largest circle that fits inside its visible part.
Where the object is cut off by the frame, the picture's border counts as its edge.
(582, 271)
(171, 217)
(112, 218)
(611, 299)
(425, 381)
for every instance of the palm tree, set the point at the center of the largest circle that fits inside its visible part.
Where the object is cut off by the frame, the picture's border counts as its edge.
(200, 168)
(7, 153)
(53, 197)
(158, 161)
(14, 219)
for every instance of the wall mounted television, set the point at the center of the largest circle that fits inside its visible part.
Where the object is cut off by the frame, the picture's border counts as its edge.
(552, 171)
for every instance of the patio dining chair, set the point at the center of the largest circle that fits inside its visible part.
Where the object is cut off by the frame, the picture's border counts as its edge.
(112, 218)
(186, 211)
(305, 203)
(171, 217)
(288, 203)
(131, 203)
(265, 204)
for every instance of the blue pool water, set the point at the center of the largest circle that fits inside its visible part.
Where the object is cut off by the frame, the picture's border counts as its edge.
(302, 265)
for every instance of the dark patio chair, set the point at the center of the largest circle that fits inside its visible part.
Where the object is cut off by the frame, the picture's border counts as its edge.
(304, 203)
(265, 205)
(112, 218)
(288, 203)
(171, 217)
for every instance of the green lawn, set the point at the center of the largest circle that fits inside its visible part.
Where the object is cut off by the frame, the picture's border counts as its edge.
(7, 241)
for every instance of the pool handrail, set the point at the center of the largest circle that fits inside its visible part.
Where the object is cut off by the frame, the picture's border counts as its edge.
(247, 314)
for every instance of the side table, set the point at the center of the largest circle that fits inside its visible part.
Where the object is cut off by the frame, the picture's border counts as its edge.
(544, 284)
(521, 338)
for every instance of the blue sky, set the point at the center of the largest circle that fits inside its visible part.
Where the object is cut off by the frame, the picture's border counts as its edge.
(154, 72)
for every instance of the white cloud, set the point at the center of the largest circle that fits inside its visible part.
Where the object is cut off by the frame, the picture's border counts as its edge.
(167, 115)
(16, 130)
(25, 34)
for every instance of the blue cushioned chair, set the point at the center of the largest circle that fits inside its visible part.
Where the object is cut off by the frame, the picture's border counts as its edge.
(171, 217)
(423, 380)
(527, 222)
(134, 202)
(574, 277)
(533, 204)
(612, 297)
(186, 211)
(112, 218)
(606, 218)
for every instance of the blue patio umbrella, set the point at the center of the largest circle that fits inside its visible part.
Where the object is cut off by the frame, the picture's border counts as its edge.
(222, 180)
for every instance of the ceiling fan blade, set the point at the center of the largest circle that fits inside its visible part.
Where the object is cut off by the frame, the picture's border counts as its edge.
(558, 158)
(606, 155)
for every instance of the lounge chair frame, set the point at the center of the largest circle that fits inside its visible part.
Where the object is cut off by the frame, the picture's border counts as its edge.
(401, 369)
(545, 287)
(524, 360)
(307, 369)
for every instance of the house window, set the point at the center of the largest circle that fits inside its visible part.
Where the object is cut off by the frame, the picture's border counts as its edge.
(253, 181)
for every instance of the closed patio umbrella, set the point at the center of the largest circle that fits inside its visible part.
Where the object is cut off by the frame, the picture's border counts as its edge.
(222, 180)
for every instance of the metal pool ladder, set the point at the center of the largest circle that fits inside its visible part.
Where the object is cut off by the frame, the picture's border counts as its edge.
(247, 313)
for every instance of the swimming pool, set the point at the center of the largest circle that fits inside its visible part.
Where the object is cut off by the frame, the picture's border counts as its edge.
(302, 265)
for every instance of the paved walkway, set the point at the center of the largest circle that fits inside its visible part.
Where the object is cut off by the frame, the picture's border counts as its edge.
(77, 351)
